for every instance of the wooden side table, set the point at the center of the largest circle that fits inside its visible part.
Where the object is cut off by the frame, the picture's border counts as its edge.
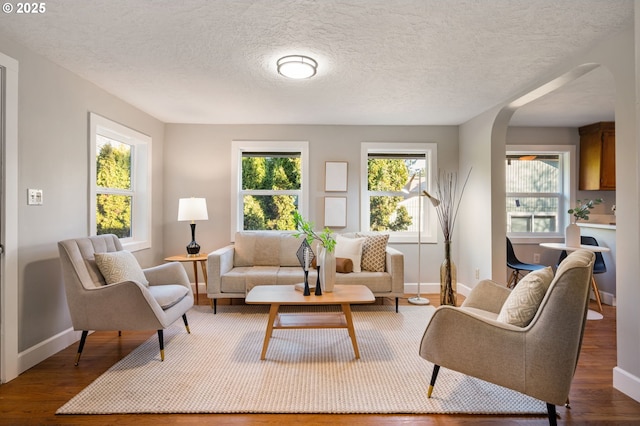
(202, 258)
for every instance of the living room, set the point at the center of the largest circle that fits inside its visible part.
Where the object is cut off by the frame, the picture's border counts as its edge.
(190, 159)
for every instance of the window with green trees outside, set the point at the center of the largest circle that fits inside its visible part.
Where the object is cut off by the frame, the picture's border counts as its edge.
(271, 186)
(114, 193)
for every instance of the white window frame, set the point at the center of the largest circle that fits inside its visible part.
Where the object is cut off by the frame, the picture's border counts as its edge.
(141, 217)
(238, 148)
(429, 216)
(567, 154)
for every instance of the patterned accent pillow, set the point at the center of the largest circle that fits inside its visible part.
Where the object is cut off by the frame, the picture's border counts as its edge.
(374, 252)
(523, 302)
(118, 266)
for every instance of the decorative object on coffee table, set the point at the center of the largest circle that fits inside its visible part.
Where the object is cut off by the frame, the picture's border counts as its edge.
(318, 285)
(447, 203)
(327, 258)
(192, 209)
(305, 257)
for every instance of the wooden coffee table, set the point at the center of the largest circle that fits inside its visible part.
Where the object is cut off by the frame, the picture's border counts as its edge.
(277, 295)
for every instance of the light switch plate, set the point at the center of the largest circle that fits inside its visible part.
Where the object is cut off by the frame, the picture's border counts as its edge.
(34, 197)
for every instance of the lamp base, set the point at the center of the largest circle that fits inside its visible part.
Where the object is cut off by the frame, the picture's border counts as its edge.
(419, 300)
(193, 248)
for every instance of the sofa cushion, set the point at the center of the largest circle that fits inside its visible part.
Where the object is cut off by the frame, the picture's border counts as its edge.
(119, 266)
(168, 295)
(244, 248)
(350, 248)
(378, 282)
(374, 252)
(289, 245)
(523, 302)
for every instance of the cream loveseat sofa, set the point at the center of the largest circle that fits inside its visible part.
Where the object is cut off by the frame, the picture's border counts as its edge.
(269, 258)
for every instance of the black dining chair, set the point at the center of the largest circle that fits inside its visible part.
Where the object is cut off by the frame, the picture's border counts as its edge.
(599, 267)
(517, 266)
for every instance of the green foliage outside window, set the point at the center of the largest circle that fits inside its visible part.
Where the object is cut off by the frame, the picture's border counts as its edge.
(388, 175)
(264, 173)
(113, 171)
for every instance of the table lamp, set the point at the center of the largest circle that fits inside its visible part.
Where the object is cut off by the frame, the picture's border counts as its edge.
(192, 209)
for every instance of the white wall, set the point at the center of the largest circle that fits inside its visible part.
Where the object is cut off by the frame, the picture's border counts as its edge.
(198, 163)
(52, 156)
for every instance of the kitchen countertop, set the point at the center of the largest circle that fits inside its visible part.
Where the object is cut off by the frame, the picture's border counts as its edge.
(597, 225)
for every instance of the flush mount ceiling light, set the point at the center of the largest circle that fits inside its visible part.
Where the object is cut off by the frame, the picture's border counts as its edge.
(297, 66)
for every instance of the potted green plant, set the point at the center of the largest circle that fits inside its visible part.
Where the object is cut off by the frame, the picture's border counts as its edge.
(304, 227)
(579, 212)
(582, 208)
(326, 257)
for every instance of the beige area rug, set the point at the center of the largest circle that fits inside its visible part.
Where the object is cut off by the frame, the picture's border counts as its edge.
(217, 369)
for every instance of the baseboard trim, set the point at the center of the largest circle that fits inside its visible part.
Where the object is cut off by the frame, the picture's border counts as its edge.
(432, 288)
(607, 298)
(626, 383)
(43, 350)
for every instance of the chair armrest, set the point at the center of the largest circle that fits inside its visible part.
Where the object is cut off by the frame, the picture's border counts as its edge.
(167, 273)
(126, 305)
(454, 338)
(219, 262)
(487, 295)
(395, 267)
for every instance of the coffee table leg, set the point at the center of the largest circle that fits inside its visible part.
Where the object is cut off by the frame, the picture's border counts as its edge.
(273, 313)
(346, 308)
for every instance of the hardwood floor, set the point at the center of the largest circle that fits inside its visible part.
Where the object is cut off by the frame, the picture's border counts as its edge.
(33, 397)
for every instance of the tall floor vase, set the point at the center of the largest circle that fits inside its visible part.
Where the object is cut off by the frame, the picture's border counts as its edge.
(448, 278)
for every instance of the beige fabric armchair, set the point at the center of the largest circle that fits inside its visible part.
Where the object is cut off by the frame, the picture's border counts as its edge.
(127, 305)
(538, 360)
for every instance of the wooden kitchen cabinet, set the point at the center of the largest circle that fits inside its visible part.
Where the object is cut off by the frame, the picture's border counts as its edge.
(598, 156)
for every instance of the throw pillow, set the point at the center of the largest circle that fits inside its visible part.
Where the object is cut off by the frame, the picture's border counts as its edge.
(118, 266)
(344, 266)
(523, 302)
(374, 252)
(350, 248)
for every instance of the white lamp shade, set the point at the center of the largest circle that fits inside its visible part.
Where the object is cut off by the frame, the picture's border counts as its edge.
(192, 209)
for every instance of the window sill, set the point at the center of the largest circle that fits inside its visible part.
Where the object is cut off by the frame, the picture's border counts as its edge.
(134, 246)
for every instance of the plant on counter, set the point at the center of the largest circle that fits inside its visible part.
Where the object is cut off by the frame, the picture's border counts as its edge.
(582, 208)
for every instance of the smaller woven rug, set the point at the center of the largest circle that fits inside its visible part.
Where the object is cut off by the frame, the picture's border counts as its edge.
(217, 369)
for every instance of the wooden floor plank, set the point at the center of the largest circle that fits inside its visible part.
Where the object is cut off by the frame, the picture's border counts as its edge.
(33, 397)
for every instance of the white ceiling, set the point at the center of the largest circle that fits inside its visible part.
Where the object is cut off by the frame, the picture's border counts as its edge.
(409, 62)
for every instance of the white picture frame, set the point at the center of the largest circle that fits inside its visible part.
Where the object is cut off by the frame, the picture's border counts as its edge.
(335, 212)
(335, 176)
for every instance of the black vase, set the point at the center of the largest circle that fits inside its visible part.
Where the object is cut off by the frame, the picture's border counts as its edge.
(307, 292)
(318, 288)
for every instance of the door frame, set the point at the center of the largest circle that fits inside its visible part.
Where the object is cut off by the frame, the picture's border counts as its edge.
(9, 351)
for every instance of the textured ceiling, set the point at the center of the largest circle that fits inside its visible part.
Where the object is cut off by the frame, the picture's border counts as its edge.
(381, 61)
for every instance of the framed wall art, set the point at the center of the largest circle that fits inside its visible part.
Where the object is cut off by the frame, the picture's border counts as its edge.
(335, 176)
(335, 212)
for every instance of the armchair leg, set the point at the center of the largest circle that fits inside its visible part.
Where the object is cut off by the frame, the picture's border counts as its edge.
(161, 341)
(397, 305)
(551, 411)
(186, 323)
(434, 376)
(83, 339)
(214, 305)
